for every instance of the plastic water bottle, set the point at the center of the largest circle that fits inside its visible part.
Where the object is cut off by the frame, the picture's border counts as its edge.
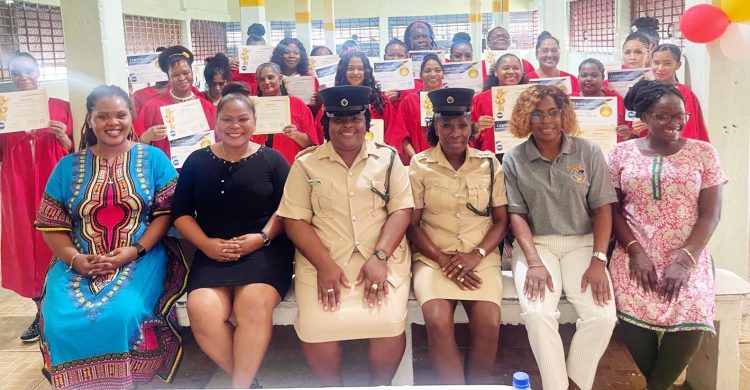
(521, 381)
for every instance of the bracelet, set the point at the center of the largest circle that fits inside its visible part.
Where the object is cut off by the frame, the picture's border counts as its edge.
(632, 242)
(690, 255)
(536, 265)
(72, 260)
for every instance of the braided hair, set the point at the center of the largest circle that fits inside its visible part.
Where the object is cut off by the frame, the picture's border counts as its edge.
(277, 69)
(410, 31)
(640, 37)
(255, 33)
(88, 137)
(649, 27)
(645, 92)
(461, 38)
(376, 97)
(217, 65)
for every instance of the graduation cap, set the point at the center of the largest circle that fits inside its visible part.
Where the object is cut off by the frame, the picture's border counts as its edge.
(345, 100)
(451, 101)
(170, 55)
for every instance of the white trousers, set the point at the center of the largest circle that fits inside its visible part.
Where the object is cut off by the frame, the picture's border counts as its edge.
(566, 259)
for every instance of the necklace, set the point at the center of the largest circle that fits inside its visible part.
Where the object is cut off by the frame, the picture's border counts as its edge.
(232, 160)
(182, 100)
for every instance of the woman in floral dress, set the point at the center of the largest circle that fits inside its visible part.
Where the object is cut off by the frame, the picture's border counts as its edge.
(670, 201)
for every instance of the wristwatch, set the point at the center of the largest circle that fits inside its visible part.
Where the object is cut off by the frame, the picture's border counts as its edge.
(380, 254)
(140, 248)
(481, 251)
(266, 239)
(601, 256)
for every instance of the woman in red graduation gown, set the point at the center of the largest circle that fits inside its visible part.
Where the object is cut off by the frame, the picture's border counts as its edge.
(355, 69)
(499, 39)
(548, 54)
(590, 78)
(665, 61)
(28, 158)
(396, 50)
(217, 74)
(507, 70)
(176, 62)
(255, 34)
(301, 132)
(291, 57)
(431, 74)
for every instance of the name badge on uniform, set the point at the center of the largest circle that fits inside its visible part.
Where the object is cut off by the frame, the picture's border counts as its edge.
(313, 182)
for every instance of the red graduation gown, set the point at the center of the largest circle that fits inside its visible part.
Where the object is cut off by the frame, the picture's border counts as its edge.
(411, 115)
(303, 119)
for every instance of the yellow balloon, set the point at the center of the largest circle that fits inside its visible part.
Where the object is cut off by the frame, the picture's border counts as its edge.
(736, 10)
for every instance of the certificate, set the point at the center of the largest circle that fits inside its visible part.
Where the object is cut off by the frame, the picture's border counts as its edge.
(621, 80)
(252, 56)
(376, 131)
(22, 111)
(184, 119)
(144, 68)
(597, 117)
(181, 148)
(463, 75)
(504, 140)
(301, 87)
(326, 75)
(425, 108)
(504, 99)
(315, 62)
(393, 75)
(491, 56)
(416, 59)
(272, 114)
(563, 83)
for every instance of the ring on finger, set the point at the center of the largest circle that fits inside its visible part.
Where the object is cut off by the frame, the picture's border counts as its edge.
(330, 291)
(374, 286)
(460, 266)
(461, 279)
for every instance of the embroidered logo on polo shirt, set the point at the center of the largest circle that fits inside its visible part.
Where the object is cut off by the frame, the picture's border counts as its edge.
(577, 173)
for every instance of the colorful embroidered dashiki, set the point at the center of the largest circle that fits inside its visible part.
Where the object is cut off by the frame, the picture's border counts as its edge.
(115, 331)
(660, 205)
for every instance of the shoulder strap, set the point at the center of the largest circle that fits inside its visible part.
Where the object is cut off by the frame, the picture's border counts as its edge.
(387, 195)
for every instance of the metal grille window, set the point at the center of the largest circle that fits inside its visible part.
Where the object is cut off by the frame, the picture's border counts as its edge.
(234, 39)
(667, 11)
(444, 26)
(144, 34)
(523, 29)
(37, 29)
(592, 26)
(288, 29)
(208, 38)
(366, 31)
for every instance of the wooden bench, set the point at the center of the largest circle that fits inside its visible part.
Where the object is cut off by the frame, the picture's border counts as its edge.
(715, 366)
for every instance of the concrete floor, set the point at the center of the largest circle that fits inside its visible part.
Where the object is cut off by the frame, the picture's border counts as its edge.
(284, 365)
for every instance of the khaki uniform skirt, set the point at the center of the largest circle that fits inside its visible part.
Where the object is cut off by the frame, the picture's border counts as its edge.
(430, 283)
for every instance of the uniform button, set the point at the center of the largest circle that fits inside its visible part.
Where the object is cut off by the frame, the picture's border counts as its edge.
(354, 219)
(460, 237)
(222, 180)
(455, 174)
(458, 215)
(350, 173)
(222, 191)
(356, 243)
(351, 194)
(455, 195)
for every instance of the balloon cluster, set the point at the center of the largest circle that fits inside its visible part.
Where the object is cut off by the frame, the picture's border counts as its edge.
(730, 23)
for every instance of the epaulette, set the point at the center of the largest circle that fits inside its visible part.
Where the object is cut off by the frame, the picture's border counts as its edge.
(382, 145)
(484, 154)
(305, 151)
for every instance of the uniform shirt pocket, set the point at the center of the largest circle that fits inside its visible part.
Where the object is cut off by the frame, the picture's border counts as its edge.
(321, 199)
(437, 195)
(479, 192)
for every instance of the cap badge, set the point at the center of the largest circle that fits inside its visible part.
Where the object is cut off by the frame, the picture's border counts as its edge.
(344, 102)
(449, 100)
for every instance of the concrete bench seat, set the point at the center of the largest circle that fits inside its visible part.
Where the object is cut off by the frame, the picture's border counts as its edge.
(715, 366)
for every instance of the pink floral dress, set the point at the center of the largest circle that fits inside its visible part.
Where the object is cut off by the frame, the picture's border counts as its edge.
(660, 205)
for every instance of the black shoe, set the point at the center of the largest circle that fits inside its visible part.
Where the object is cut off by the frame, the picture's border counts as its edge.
(256, 384)
(31, 334)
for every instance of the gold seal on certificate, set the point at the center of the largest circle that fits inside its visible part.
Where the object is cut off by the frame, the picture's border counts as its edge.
(184, 119)
(462, 75)
(376, 131)
(23, 111)
(182, 148)
(597, 118)
(272, 114)
(393, 75)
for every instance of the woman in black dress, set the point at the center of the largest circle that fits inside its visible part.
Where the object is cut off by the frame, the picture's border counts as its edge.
(225, 205)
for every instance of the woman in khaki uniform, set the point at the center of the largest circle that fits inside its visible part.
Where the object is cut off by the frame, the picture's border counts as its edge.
(346, 206)
(460, 218)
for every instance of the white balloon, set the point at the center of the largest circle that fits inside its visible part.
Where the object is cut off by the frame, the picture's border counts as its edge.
(735, 42)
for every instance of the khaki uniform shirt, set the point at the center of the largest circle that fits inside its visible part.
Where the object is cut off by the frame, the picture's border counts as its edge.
(443, 193)
(341, 207)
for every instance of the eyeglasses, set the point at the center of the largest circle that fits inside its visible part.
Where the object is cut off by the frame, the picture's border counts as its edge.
(681, 118)
(592, 75)
(538, 116)
(549, 51)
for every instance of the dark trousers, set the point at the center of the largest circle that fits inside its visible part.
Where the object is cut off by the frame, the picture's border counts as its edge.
(661, 363)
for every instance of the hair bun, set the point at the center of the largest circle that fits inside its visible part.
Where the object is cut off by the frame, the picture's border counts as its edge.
(461, 37)
(646, 23)
(236, 87)
(544, 35)
(256, 30)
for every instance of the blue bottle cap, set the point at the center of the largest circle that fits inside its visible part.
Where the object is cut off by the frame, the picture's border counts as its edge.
(520, 380)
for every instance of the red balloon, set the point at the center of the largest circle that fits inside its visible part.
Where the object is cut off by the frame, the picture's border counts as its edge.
(703, 23)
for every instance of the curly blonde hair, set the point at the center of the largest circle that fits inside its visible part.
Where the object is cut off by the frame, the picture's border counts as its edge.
(520, 123)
